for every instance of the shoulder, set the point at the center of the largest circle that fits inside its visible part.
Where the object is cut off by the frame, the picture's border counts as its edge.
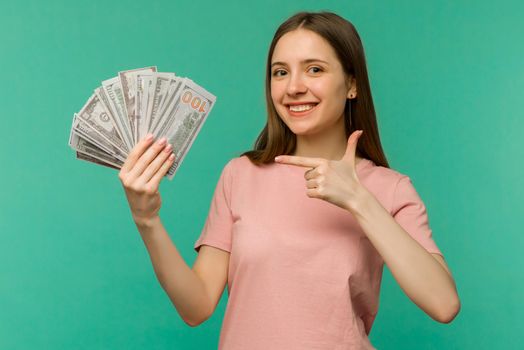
(237, 167)
(384, 183)
(240, 165)
(386, 178)
(239, 162)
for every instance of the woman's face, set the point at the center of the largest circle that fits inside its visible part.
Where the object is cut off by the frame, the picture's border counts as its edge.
(308, 83)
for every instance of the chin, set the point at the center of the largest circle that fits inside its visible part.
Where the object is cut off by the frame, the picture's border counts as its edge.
(302, 131)
(299, 127)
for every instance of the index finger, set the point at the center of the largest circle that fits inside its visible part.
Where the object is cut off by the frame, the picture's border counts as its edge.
(136, 152)
(300, 161)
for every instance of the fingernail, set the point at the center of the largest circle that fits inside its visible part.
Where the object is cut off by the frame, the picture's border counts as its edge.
(277, 159)
(149, 137)
(162, 141)
(168, 148)
(172, 156)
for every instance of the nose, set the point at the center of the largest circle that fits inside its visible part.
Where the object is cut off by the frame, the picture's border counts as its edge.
(296, 85)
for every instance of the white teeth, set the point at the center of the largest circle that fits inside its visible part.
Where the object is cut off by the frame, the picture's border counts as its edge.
(301, 108)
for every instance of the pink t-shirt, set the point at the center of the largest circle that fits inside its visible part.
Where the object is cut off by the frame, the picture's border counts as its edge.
(302, 273)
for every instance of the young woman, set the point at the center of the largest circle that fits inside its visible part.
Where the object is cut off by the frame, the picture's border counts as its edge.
(300, 227)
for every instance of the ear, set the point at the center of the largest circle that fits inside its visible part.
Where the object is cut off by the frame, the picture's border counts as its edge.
(352, 91)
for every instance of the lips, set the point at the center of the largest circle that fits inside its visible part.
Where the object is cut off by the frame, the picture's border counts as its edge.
(300, 109)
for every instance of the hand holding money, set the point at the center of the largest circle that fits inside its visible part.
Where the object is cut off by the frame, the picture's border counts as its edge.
(141, 174)
(137, 102)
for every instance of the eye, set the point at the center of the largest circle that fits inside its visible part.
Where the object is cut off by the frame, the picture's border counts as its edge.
(315, 69)
(279, 72)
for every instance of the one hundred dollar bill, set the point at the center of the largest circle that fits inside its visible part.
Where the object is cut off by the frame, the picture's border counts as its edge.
(159, 114)
(102, 96)
(98, 118)
(128, 81)
(183, 120)
(85, 147)
(159, 88)
(115, 96)
(88, 158)
(92, 135)
(143, 95)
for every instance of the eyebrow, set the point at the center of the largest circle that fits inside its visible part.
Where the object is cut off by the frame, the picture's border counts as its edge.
(309, 60)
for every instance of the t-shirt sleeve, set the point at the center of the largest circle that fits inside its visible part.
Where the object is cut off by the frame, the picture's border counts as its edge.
(410, 212)
(219, 222)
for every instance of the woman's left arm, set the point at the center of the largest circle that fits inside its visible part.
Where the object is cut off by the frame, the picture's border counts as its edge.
(424, 277)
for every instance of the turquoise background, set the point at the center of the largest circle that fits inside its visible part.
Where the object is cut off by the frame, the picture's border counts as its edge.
(447, 79)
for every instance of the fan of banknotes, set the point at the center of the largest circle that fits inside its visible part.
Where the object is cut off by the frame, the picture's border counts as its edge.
(139, 101)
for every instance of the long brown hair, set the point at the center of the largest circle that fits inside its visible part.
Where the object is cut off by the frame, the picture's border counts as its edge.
(359, 113)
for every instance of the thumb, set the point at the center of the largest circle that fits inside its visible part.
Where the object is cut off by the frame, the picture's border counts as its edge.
(351, 149)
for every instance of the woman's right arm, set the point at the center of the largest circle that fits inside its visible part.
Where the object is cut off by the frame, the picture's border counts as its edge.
(194, 292)
(141, 174)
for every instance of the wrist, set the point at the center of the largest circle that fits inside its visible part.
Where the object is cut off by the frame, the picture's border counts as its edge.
(358, 203)
(146, 223)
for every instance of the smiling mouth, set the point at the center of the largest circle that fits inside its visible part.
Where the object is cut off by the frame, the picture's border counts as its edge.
(301, 108)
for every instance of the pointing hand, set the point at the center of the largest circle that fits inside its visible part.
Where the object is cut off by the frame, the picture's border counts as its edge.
(335, 181)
